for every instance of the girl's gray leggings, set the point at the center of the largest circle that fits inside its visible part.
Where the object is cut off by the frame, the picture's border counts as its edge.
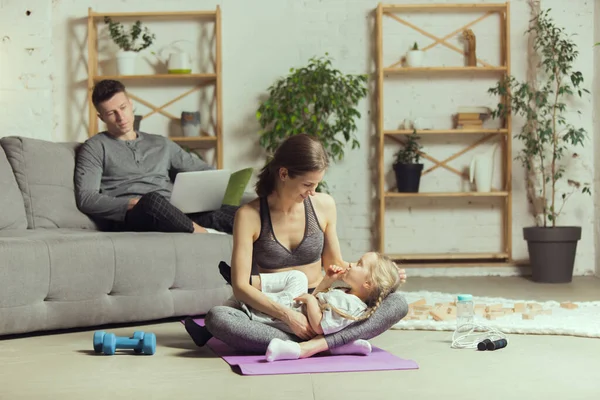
(233, 326)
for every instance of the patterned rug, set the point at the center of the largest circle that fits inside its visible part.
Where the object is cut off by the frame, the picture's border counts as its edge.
(437, 312)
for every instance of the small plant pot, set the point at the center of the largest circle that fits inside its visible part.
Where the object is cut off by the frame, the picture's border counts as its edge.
(552, 252)
(414, 58)
(137, 120)
(126, 62)
(408, 177)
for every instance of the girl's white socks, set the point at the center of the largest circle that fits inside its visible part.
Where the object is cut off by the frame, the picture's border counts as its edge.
(288, 350)
(283, 350)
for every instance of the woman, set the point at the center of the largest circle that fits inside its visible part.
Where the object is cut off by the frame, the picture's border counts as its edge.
(288, 227)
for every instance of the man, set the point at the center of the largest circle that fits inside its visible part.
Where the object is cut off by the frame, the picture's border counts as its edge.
(122, 176)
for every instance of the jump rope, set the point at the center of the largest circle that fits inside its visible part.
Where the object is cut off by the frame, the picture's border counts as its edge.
(480, 337)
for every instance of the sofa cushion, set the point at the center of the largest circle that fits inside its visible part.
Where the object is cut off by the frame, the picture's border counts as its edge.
(44, 171)
(65, 278)
(12, 209)
(237, 186)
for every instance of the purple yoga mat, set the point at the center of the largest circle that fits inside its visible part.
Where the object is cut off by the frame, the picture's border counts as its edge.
(378, 360)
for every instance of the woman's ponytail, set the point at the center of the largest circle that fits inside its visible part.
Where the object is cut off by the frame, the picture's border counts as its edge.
(266, 180)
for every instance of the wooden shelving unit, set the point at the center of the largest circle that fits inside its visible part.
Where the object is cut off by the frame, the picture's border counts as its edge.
(174, 77)
(414, 70)
(446, 259)
(195, 80)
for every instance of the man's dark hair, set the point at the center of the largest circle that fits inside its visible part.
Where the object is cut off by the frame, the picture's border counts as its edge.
(106, 89)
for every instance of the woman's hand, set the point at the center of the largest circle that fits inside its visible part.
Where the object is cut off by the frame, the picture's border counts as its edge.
(299, 324)
(402, 275)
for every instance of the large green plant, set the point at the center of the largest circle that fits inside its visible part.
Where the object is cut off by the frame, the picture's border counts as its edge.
(317, 100)
(546, 135)
(128, 41)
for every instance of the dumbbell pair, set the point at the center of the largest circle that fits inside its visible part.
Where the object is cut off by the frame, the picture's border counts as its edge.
(140, 342)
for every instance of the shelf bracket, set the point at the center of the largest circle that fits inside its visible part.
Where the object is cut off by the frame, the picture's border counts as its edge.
(438, 40)
(160, 109)
(444, 163)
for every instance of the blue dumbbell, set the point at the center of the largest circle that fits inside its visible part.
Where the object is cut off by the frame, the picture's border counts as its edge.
(140, 342)
(99, 339)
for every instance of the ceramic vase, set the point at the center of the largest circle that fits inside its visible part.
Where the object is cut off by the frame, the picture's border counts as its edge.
(414, 58)
(190, 123)
(126, 62)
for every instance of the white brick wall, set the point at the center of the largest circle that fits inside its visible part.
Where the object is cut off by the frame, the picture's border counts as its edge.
(26, 68)
(42, 94)
(596, 93)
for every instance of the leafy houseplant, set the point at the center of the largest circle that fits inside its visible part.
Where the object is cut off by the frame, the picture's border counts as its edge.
(317, 100)
(547, 139)
(407, 167)
(130, 43)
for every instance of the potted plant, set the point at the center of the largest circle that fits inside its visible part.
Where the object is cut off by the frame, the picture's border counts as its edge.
(407, 167)
(549, 142)
(130, 43)
(414, 57)
(317, 100)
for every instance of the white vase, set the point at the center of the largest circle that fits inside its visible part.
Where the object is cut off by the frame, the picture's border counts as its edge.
(481, 170)
(126, 62)
(414, 58)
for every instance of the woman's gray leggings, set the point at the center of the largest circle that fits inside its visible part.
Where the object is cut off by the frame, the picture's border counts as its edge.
(233, 326)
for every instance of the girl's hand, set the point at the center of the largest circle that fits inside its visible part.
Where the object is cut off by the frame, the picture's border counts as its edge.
(334, 272)
(305, 298)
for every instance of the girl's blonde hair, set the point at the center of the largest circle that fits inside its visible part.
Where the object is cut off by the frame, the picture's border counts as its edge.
(385, 279)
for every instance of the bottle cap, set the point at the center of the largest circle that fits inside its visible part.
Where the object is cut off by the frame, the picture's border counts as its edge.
(465, 297)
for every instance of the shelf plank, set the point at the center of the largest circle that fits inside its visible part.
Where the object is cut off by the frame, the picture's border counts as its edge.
(445, 7)
(445, 131)
(155, 14)
(456, 260)
(204, 77)
(462, 264)
(449, 256)
(194, 138)
(406, 70)
(196, 142)
(446, 194)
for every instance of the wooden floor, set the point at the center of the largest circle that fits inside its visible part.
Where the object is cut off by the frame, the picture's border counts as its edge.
(63, 365)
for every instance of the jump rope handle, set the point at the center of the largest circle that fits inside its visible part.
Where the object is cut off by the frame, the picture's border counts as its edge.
(487, 344)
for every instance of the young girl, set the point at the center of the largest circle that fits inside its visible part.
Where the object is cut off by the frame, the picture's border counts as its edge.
(328, 309)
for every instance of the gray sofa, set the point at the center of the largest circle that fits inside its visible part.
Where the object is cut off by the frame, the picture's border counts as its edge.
(58, 270)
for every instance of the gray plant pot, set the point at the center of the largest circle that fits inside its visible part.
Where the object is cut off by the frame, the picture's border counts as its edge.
(136, 122)
(552, 252)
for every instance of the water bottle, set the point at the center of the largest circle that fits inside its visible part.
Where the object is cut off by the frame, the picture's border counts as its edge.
(464, 312)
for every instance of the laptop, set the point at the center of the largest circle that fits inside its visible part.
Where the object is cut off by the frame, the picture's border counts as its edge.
(199, 191)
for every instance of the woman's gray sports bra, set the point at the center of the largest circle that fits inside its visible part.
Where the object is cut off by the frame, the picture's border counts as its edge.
(268, 253)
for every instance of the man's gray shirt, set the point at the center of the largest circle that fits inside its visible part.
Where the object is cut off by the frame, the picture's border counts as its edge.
(111, 171)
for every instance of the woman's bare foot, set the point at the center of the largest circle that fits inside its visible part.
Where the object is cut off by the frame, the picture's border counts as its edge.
(319, 345)
(313, 346)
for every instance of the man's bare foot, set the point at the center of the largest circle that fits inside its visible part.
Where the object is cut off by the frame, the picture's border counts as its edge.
(199, 229)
